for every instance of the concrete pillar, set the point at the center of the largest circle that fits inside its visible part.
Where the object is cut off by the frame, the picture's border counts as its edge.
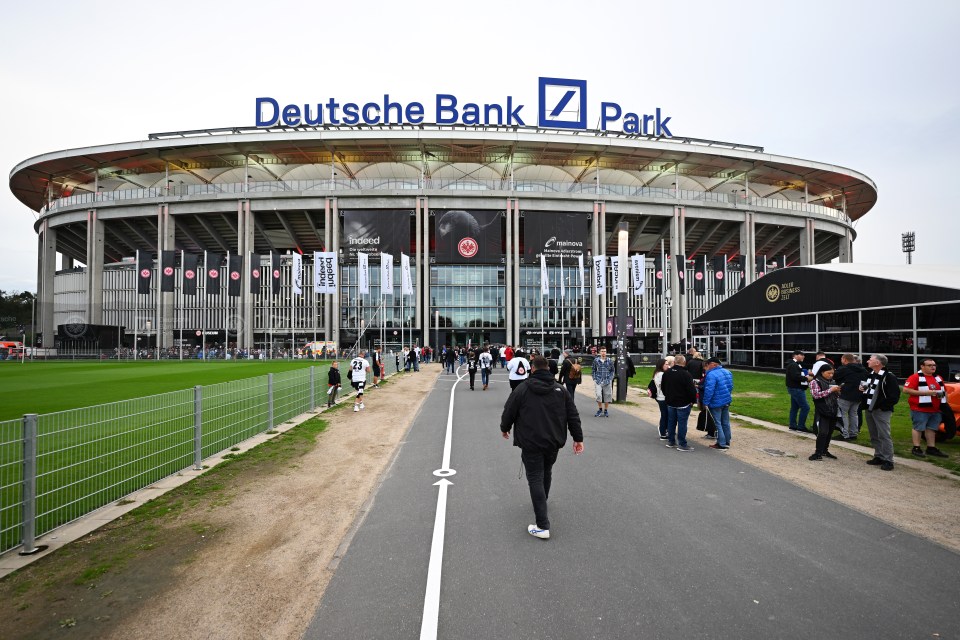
(807, 250)
(245, 246)
(748, 246)
(419, 319)
(423, 270)
(94, 275)
(335, 247)
(846, 247)
(509, 310)
(678, 241)
(66, 263)
(516, 272)
(166, 241)
(48, 270)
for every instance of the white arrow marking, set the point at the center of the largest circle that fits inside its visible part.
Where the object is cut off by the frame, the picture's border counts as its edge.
(431, 600)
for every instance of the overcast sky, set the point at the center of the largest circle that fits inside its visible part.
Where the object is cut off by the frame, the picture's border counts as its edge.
(871, 86)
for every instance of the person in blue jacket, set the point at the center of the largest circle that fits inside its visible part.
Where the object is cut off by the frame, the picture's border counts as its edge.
(717, 396)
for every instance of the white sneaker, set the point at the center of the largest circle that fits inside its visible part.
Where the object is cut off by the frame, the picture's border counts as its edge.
(543, 534)
(361, 405)
(356, 408)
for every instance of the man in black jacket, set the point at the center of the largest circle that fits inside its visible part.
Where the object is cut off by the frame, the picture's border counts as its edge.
(797, 388)
(680, 394)
(849, 376)
(540, 412)
(881, 393)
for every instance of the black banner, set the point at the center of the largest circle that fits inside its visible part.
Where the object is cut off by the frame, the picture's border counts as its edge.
(720, 275)
(658, 272)
(168, 261)
(274, 274)
(190, 261)
(235, 272)
(254, 274)
(742, 268)
(700, 275)
(144, 271)
(761, 264)
(682, 272)
(212, 267)
(373, 232)
(554, 235)
(468, 237)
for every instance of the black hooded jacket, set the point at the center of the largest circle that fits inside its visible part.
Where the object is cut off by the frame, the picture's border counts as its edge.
(540, 411)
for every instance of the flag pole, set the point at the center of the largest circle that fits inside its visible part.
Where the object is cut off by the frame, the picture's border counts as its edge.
(181, 304)
(136, 305)
(203, 323)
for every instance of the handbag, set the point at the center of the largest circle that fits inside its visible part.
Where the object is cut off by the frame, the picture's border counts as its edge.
(652, 389)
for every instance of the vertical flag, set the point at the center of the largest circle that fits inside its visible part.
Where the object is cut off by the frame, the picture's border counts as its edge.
(544, 281)
(296, 273)
(188, 262)
(235, 268)
(658, 272)
(761, 266)
(168, 260)
(600, 274)
(274, 274)
(719, 275)
(700, 275)
(580, 271)
(406, 279)
(363, 274)
(144, 271)
(639, 265)
(386, 274)
(681, 273)
(212, 267)
(255, 273)
(325, 271)
(615, 273)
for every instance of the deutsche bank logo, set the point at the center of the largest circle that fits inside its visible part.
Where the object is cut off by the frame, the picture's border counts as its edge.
(563, 103)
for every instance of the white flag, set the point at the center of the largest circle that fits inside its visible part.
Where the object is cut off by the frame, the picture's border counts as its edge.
(562, 292)
(544, 281)
(325, 271)
(297, 274)
(580, 262)
(406, 281)
(615, 272)
(363, 274)
(639, 267)
(386, 274)
(600, 275)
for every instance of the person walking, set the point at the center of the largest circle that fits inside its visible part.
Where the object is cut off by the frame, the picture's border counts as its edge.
(473, 363)
(518, 369)
(602, 373)
(450, 358)
(541, 413)
(333, 383)
(571, 374)
(717, 396)
(926, 395)
(495, 354)
(485, 362)
(796, 381)
(680, 394)
(881, 393)
(359, 367)
(377, 365)
(825, 394)
(506, 355)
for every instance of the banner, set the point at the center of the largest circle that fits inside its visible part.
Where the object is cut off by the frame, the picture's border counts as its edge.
(374, 232)
(742, 268)
(211, 264)
(406, 279)
(274, 274)
(296, 273)
(615, 273)
(682, 273)
(599, 275)
(325, 271)
(658, 272)
(553, 235)
(363, 273)
(386, 274)
(639, 267)
(700, 275)
(144, 271)
(720, 275)
(468, 237)
(235, 262)
(580, 263)
(544, 277)
(188, 262)
(168, 263)
(254, 273)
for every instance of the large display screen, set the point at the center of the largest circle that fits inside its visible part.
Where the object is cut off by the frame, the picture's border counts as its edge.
(468, 237)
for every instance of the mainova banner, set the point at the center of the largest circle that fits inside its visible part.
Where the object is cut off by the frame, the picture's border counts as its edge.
(468, 237)
(554, 235)
(374, 231)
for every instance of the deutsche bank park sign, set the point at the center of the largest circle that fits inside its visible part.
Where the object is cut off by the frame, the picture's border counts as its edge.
(562, 104)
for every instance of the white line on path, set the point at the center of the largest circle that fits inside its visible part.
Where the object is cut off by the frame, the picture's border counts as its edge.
(431, 599)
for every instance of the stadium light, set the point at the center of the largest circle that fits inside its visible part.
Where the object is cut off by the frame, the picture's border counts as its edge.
(908, 242)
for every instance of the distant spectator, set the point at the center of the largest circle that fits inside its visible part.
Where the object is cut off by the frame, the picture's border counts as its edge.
(796, 380)
(926, 392)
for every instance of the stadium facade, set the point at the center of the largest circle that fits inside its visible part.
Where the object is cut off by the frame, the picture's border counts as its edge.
(473, 206)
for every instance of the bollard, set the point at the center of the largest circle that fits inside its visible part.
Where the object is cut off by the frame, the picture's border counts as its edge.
(269, 401)
(313, 399)
(30, 486)
(197, 427)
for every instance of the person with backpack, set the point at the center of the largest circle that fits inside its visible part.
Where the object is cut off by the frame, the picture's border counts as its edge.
(518, 368)
(485, 362)
(571, 373)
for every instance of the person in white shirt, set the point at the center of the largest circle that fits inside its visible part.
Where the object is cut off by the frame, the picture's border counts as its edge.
(518, 368)
(486, 364)
(358, 377)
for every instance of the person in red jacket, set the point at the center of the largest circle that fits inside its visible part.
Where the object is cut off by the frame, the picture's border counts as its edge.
(508, 353)
(926, 392)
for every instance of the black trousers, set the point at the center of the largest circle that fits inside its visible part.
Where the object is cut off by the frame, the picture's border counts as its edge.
(825, 427)
(473, 374)
(538, 464)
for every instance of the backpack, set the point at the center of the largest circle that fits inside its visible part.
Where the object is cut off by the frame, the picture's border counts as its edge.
(574, 372)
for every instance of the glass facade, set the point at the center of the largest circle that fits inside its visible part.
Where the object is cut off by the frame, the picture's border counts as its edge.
(468, 296)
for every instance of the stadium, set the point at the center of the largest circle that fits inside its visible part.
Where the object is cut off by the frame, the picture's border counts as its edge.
(474, 207)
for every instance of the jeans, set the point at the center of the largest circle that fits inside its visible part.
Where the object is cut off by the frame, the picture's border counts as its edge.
(538, 464)
(572, 388)
(851, 419)
(798, 403)
(663, 418)
(721, 418)
(503, 361)
(416, 365)
(878, 424)
(677, 424)
(450, 366)
(485, 376)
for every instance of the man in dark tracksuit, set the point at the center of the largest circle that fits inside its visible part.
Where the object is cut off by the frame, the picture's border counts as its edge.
(540, 411)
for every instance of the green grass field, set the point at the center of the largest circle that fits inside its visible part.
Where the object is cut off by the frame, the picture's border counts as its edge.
(44, 387)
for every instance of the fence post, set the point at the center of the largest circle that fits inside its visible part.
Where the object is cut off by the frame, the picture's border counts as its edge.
(197, 427)
(30, 486)
(313, 399)
(269, 401)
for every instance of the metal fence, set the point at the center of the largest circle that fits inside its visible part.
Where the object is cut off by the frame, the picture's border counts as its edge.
(57, 467)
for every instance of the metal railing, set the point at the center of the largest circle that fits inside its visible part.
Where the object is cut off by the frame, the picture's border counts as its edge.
(58, 467)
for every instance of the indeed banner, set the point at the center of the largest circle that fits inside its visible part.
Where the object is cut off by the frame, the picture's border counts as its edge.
(373, 232)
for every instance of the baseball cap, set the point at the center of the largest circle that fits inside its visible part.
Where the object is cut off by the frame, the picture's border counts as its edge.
(714, 360)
